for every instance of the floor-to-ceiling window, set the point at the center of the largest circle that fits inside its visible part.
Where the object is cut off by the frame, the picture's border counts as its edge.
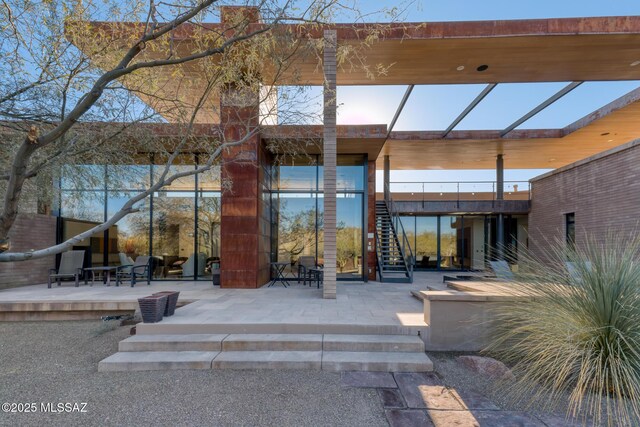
(297, 213)
(462, 242)
(179, 225)
(426, 248)
(451, 242)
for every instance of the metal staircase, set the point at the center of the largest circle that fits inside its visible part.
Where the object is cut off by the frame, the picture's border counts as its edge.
(393, 251)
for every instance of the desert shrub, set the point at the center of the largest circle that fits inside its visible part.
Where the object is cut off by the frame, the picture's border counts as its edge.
(576, 332)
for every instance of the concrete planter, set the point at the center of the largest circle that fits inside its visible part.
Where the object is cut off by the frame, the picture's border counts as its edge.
(172, 301)
(152, 308)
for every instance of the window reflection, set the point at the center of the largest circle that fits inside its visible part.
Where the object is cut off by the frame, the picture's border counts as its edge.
(297, 209)
(209, 212)
(131, 233)
(173, 235)
(426, 242)
(297, 224)
(349, 236)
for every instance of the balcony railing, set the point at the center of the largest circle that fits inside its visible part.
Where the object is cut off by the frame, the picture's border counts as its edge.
(458, 191)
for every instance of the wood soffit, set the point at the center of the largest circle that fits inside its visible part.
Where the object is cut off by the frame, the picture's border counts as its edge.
(568, 49)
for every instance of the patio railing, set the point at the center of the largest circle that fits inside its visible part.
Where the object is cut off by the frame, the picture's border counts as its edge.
(422, 191)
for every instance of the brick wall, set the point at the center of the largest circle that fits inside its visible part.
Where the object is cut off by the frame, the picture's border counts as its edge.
(30, 231)
(603, 191)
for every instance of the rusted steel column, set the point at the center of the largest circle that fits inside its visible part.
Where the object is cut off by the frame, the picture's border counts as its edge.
(330, 155)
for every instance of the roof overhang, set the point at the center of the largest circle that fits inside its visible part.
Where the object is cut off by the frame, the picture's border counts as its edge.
(614, 124)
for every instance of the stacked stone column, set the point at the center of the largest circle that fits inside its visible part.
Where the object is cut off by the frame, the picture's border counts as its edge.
(330, 158)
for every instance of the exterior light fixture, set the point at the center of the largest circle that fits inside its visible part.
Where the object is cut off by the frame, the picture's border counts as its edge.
(460, 67)
(634, 63)
(482, 67)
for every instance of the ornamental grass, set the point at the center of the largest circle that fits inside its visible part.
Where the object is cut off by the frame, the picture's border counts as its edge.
(575, 337)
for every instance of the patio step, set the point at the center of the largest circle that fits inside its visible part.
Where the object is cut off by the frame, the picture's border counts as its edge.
(376, 361)
(373, 343)
(157, 361)
(332, 352)
(272, 342)
(268, 360)
(189, 342)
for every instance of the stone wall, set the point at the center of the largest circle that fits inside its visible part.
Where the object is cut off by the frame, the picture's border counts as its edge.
(603, 191)
(30, 231)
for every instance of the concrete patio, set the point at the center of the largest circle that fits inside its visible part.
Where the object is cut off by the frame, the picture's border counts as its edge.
(359, 308)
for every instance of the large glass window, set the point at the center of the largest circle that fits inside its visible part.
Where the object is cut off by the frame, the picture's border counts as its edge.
(474, 244)
(426, 248)
(463, 242)
(297, 226)
(297, 213)
(174, 234)
(209, 220)
(183, 241)
(451, 242)
(349, 236)
(130, 236)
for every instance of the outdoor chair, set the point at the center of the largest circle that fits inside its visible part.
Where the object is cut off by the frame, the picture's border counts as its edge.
(71, 264)
(501, 270)
(305, 263)
(188, 268)
(140, 268)
(124, 259)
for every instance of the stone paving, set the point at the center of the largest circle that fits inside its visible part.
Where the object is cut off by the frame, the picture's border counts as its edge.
(387, 306)
(422, 400)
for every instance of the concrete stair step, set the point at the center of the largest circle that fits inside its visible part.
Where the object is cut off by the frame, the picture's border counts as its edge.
(272, 342)
(268, 360)
(371, 343)
(157, 361)
(376, 361)
(184, 342)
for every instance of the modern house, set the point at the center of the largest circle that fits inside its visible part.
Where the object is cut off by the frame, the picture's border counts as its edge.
(325, 204)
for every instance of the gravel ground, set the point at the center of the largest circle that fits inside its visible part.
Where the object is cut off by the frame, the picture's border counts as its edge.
(462, 379)
(57, 362)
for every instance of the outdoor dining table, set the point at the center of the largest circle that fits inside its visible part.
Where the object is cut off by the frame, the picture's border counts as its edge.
(279, 267)
(105, 271)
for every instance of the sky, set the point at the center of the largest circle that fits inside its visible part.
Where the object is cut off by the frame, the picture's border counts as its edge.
(435, 107)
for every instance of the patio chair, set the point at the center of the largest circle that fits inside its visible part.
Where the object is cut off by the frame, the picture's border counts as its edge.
(501, 270)
(140, 268)
(188, 268)
(305, 263)
(125, 259)
(71, 264)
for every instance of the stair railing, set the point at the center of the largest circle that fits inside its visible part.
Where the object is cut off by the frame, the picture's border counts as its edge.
(405, 246)
(379, 257)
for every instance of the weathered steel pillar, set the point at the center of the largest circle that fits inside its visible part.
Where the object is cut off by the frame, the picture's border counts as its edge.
(387, 178)
(500, 197)
(330, 158)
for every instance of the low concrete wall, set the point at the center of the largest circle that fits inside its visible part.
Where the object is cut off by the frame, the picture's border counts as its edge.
(459, 321)
(30, 231)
